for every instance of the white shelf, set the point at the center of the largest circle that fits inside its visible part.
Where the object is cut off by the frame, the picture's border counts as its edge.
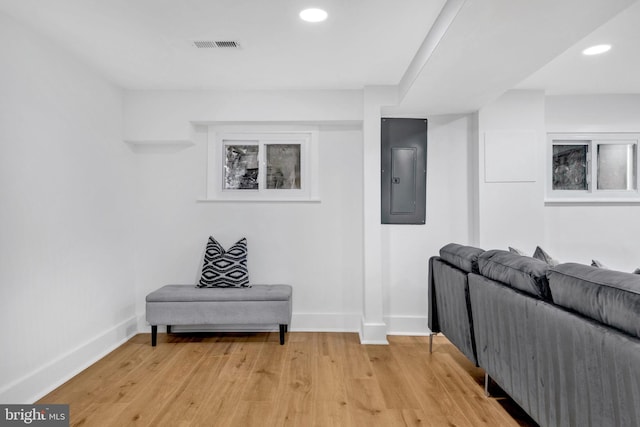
(147, 145)
(591, 201)
(244, 200)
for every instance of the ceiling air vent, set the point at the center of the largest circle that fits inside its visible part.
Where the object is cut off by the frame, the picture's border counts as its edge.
(213, 44)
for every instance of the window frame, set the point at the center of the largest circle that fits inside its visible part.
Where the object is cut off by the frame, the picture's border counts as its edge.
(221, 137)
(593, 193)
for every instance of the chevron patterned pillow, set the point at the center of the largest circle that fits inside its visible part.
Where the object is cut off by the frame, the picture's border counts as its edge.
(225, 269)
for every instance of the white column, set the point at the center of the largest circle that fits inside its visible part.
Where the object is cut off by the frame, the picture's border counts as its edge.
(373, 329)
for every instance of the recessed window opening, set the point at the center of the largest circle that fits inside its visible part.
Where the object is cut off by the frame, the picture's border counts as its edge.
(593, 166)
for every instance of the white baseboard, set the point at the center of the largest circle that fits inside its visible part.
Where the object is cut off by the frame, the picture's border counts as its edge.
(325, 322)
(46, 378)
(373, 333)
(407, 325)
(321, 322)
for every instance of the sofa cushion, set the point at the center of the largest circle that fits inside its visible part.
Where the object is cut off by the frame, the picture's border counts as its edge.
(519, 272)
(610, 297)
(189, 293)
(463, 257)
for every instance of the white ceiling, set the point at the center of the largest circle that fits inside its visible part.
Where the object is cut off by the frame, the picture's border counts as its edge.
(146, 44)
(489, 47)
(617, 71)
(493, 45)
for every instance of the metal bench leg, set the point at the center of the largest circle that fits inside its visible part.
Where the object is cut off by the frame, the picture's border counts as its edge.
(487, 380)
(168, 329)
(283, 329)
(154, 335)
(431, 342)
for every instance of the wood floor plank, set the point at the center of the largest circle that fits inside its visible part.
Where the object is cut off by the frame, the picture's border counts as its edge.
(298, 389)
(92, 382)
(262, 384)
(414, 361)
(190, 399)
(315, 379)
(356, 363)
(162, 389)
(229, 385)
(397, 392)
(253, 414)
(409, 418)
(470, 398)
(331, 414)
(330, 385)
(98, 415)
(366, 403)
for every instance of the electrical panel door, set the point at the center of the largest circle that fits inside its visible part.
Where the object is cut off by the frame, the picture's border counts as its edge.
(404, 170)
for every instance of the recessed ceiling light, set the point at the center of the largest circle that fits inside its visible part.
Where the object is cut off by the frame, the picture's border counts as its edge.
(597, 49)
(313, 15)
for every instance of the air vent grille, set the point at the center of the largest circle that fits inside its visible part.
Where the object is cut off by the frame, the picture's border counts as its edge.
(213, 44)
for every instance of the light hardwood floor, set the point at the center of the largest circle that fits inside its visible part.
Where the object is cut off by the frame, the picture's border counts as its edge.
(315, 379)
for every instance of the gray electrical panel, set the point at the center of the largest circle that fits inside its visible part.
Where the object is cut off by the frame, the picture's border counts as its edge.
(404, 171)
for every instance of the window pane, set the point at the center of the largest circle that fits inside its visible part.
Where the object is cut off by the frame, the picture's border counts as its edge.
(570, 167)
(241, 167)
(616, 166)
(283, 166)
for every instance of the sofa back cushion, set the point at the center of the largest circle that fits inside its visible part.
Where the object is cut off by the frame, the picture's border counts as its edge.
(523, 273)
(610, 297)
(463, 257)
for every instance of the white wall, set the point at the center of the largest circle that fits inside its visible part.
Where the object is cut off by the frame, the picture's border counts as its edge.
(511, 203)
(407, 248)
(606, 232)
(315, 247)
(66, 275)
(318, 248)
(167, 115)
(515, 214)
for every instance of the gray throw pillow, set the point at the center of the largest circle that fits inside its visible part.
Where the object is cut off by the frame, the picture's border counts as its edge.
(544, 256)
(516, 251)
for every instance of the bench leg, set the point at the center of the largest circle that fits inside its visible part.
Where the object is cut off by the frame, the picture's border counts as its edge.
(487, 383)
(168, 329)
(283, 329)
(154, 335)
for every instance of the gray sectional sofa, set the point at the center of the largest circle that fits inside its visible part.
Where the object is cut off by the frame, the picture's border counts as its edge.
(562, 341)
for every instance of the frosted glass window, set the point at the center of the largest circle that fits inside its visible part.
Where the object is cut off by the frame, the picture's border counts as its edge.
(283, 166)
(616, 166)
(570, 167)
(241, 167)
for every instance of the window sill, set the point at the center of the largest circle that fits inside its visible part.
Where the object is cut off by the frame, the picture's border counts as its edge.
(274, 200)
(613, 201)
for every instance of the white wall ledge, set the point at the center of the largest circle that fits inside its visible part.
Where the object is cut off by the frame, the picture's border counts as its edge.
(204, 200)
(590, 201)
(159, 145)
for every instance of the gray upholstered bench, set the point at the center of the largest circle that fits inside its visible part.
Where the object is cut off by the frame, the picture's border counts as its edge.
(189, 305)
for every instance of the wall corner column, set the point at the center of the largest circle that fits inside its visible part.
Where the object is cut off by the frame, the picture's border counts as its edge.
(373, 328)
